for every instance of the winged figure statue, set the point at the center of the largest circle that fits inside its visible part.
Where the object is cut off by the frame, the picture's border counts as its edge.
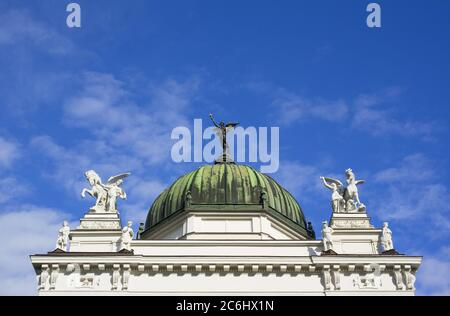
(345, 199)
(337, 198)
(114, 190)
(105, 194)
(221, 130)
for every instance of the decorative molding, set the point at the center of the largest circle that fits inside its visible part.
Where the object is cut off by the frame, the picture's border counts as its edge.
(54, 276)
(398, 277)
(115, 276)
(351, 223)
(125, 276)
(70, 267)
(99, 225)
(326, 277)
(410, 279)
(43, 277)
(363, 276)
(336, 277)
(88, 281)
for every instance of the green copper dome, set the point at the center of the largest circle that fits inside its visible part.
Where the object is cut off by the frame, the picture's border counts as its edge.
(227, 187)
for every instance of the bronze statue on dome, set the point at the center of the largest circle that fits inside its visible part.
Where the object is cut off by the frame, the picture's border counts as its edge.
(221, 130)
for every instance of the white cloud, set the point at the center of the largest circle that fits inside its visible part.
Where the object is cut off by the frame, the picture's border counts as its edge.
(20, 27)
(432, 276)
(9, 152)
(374, 114)
(302, 181)
(414, 168)
(143, 194)
(108, 112)
(292, 107)
(67, 165)
(26, 230)
(11, 188)
(296, 176)
(120, 135)
(412, 193)
(34, 59)
(146, 189)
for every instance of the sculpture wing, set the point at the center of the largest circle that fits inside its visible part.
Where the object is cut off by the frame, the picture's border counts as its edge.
(329, 181)
(360, 182)
(114, 179)
(231, 125)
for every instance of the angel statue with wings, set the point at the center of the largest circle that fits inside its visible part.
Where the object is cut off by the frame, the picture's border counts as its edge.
(337, 200)
(114, 191)
(345, 199)
(222, 129)
(105, 194)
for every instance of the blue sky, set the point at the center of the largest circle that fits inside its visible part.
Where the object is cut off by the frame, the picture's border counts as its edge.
(106, 96)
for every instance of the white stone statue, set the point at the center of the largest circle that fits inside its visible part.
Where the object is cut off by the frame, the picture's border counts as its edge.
(114, 190)
(60, 242)
(105, 194)
(351, 192)
(345, 200)
(63, 237)
(337, 200)
(127, 236)
(98, 191)
(327, 233)
(386, 238)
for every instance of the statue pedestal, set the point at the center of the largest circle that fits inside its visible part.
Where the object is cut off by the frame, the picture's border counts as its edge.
(353, 233)
(350, 221)
(100, 221)
(97, 232)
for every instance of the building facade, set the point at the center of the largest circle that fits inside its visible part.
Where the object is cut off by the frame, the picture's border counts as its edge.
(225, 229)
